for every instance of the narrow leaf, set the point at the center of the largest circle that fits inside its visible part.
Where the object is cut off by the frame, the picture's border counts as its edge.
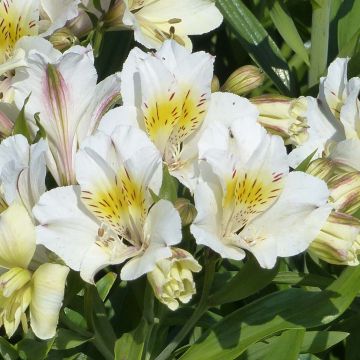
(257, 42)
(287, 29)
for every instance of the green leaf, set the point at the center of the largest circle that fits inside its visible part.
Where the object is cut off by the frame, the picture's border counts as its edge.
(31, 349)
(319, 40)
(41, 134)
(131, 345)
(312, 342)
(348, 24)
(250, 279)
(294, 278)
(96, 316)
(105, 284)
(169, 186)
(67, 339)
(21, 125)
(257, 42)
(286, 346)
(305, 163)
(7, 351)
(318, 341)
(289, 309)
(287, 29)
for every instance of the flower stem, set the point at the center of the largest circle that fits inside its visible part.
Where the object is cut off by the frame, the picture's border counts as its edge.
(197, 314)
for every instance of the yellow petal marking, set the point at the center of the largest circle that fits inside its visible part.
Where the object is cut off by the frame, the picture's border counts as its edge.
(248, 195)
(120, 205)
(174, 117)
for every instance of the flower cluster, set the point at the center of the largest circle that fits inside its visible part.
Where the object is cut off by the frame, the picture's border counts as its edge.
(84, 165)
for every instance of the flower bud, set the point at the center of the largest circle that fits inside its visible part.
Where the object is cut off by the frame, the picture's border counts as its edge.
(186, 210)
(113, 17)
(345, 192)
(172, 279)
(283, 116)
(324, 169)
(243, 80)
(63, 39)
(338, 241)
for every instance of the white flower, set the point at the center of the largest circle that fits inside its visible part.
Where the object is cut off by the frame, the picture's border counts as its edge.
(42, 290)
(21, 18)
(334, 116)
(154, 21)
(248, 200)
(110, 217)
(167, 94)
(68, 100)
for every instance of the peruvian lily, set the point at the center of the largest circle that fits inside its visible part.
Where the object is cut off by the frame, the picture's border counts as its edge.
(23, 18)
(110, 217)
(68, 101)
(334, 115)
(166, 94)
(246, 198)
(23, 286)
(154, 21)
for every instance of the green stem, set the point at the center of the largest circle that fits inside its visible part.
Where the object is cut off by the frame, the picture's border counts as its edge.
(319, 40)
(197, 314)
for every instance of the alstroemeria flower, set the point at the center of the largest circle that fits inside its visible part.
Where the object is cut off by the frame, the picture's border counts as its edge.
(22, 18)
(110, 217)
(21, 287)
(22, 171)
(247, 199)
(155, 21)
(63, 90)
(334, 115)
(166, 94)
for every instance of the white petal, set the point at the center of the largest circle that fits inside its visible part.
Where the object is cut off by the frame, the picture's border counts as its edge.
(17, 237)
(347, 152)
(293, 221)
(122, 115)
(48, 286)
(66, 227)
(206, 227)
(332, 87)
(163, 224)
(350, 113)
(322, 127)
(107, 92)
(59, 12)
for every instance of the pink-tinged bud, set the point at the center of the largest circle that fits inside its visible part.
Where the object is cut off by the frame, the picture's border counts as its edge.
(338, 241)
(172, 279)
(324, 169)
(243, 80)
(283, 116)
(345, 192)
